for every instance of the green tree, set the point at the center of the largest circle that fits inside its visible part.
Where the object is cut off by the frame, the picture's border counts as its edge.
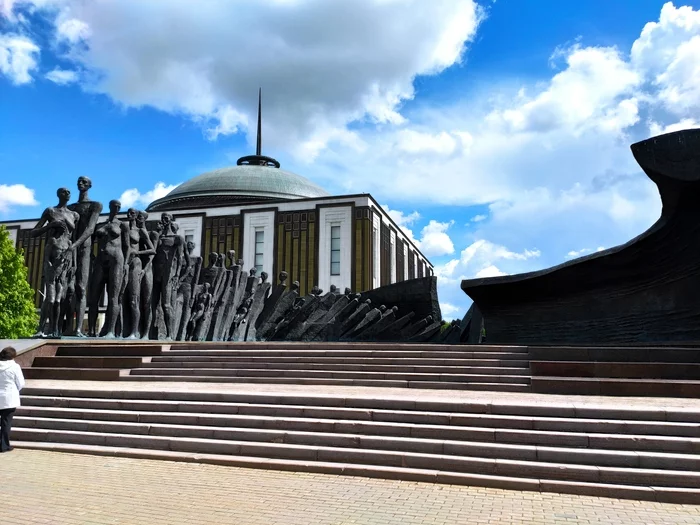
(18, 317)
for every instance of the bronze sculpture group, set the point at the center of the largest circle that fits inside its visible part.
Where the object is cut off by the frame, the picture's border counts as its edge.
(156, 289)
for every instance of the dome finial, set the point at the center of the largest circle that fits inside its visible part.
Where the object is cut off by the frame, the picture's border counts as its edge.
(258, 149)
(259, 159)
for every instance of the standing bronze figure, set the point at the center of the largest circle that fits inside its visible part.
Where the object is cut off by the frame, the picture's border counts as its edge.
(112, 250)
(166, 265)
(89, 212)
(140, 246)
(60, 224)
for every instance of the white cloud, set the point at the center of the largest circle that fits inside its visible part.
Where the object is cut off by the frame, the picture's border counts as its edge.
(62, 76)
(489, 271)
(687, 123)
(15, 195)
(449, 311)
(583, 251)
(338, 61)
(133, 197)
(18, 58)
(668, 53)
(434, 240)
(479, 259)
(479, 218)
(598, 79)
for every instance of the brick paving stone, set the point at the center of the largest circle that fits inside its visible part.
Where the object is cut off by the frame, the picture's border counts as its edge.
(71, 489)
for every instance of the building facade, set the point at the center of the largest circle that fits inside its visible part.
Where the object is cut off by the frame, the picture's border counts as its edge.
(346, 241)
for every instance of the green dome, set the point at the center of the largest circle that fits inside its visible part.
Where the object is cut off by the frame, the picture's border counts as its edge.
(240, 184)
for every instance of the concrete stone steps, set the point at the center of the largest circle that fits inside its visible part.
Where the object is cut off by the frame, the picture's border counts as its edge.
(369, 367)
(333, 374)
(449, 450)
(589, 473)
(620, 354)
(485, 437)
(84, 374)
(405, 361)
(612, 370)
(320, 354)
(648, 453)
(337, 346)
(393, 383)
(660, 494)
(603, 422)
(103, 350)
(616, 386)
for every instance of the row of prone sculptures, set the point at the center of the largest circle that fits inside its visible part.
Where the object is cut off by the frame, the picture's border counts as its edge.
(156, 288)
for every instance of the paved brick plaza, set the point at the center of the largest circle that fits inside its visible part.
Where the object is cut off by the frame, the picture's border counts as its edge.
(69, 489)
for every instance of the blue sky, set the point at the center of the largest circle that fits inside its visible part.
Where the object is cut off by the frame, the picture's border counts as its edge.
(497, 133)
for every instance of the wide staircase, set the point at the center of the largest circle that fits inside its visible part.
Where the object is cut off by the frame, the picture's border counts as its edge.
(347, 364)
(204, 408)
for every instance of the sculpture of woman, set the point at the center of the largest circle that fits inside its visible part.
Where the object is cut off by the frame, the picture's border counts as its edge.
(112, 250)
(147, 271)
(139, 246)
(60, 223)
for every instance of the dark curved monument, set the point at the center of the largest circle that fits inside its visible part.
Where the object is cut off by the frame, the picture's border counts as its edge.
(645, 291)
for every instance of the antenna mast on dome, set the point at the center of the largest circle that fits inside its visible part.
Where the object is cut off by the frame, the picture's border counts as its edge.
(258, 149)
(258, 159)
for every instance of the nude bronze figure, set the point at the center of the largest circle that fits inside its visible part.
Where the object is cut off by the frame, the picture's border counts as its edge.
(89, 212)
(140, 245)
(108, 270)
(60, 223)
(170, 253)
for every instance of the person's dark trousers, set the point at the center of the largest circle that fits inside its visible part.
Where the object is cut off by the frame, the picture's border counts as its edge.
(6, 415)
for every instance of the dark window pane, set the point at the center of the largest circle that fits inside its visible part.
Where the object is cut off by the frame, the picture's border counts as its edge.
(335, 268)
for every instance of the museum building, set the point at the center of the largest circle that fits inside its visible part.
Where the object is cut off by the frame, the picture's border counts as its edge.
(275, 220)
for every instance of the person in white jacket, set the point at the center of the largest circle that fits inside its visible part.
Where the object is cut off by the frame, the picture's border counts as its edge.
(11, 382)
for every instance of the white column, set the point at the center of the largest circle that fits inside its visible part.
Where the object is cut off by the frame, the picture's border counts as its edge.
(262, 221)
(393, 257)
(405, 262)
(327, 218)
(376, 249)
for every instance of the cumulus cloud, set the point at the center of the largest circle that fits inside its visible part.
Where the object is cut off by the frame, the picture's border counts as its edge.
(15, 195)
(18, 57)
(338, 61)
(480, 259)
(434, 240)
(133, 197)
(583, 251)
(62, 76)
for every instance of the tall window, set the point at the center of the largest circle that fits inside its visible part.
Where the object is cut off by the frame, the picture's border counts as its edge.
(335, 250)
(189, 235)
(259, 246)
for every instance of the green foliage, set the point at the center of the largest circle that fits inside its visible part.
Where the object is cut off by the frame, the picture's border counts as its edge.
(18, 316)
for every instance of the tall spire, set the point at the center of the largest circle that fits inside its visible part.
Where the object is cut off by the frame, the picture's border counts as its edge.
(258, 149)
(258, 159)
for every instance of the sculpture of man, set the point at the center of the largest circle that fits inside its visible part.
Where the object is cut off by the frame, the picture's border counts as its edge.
(183, 301)
(201, 305)
(89, 212)
(140, 245)
(166, 269)
(60, 223)
(108, 269)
